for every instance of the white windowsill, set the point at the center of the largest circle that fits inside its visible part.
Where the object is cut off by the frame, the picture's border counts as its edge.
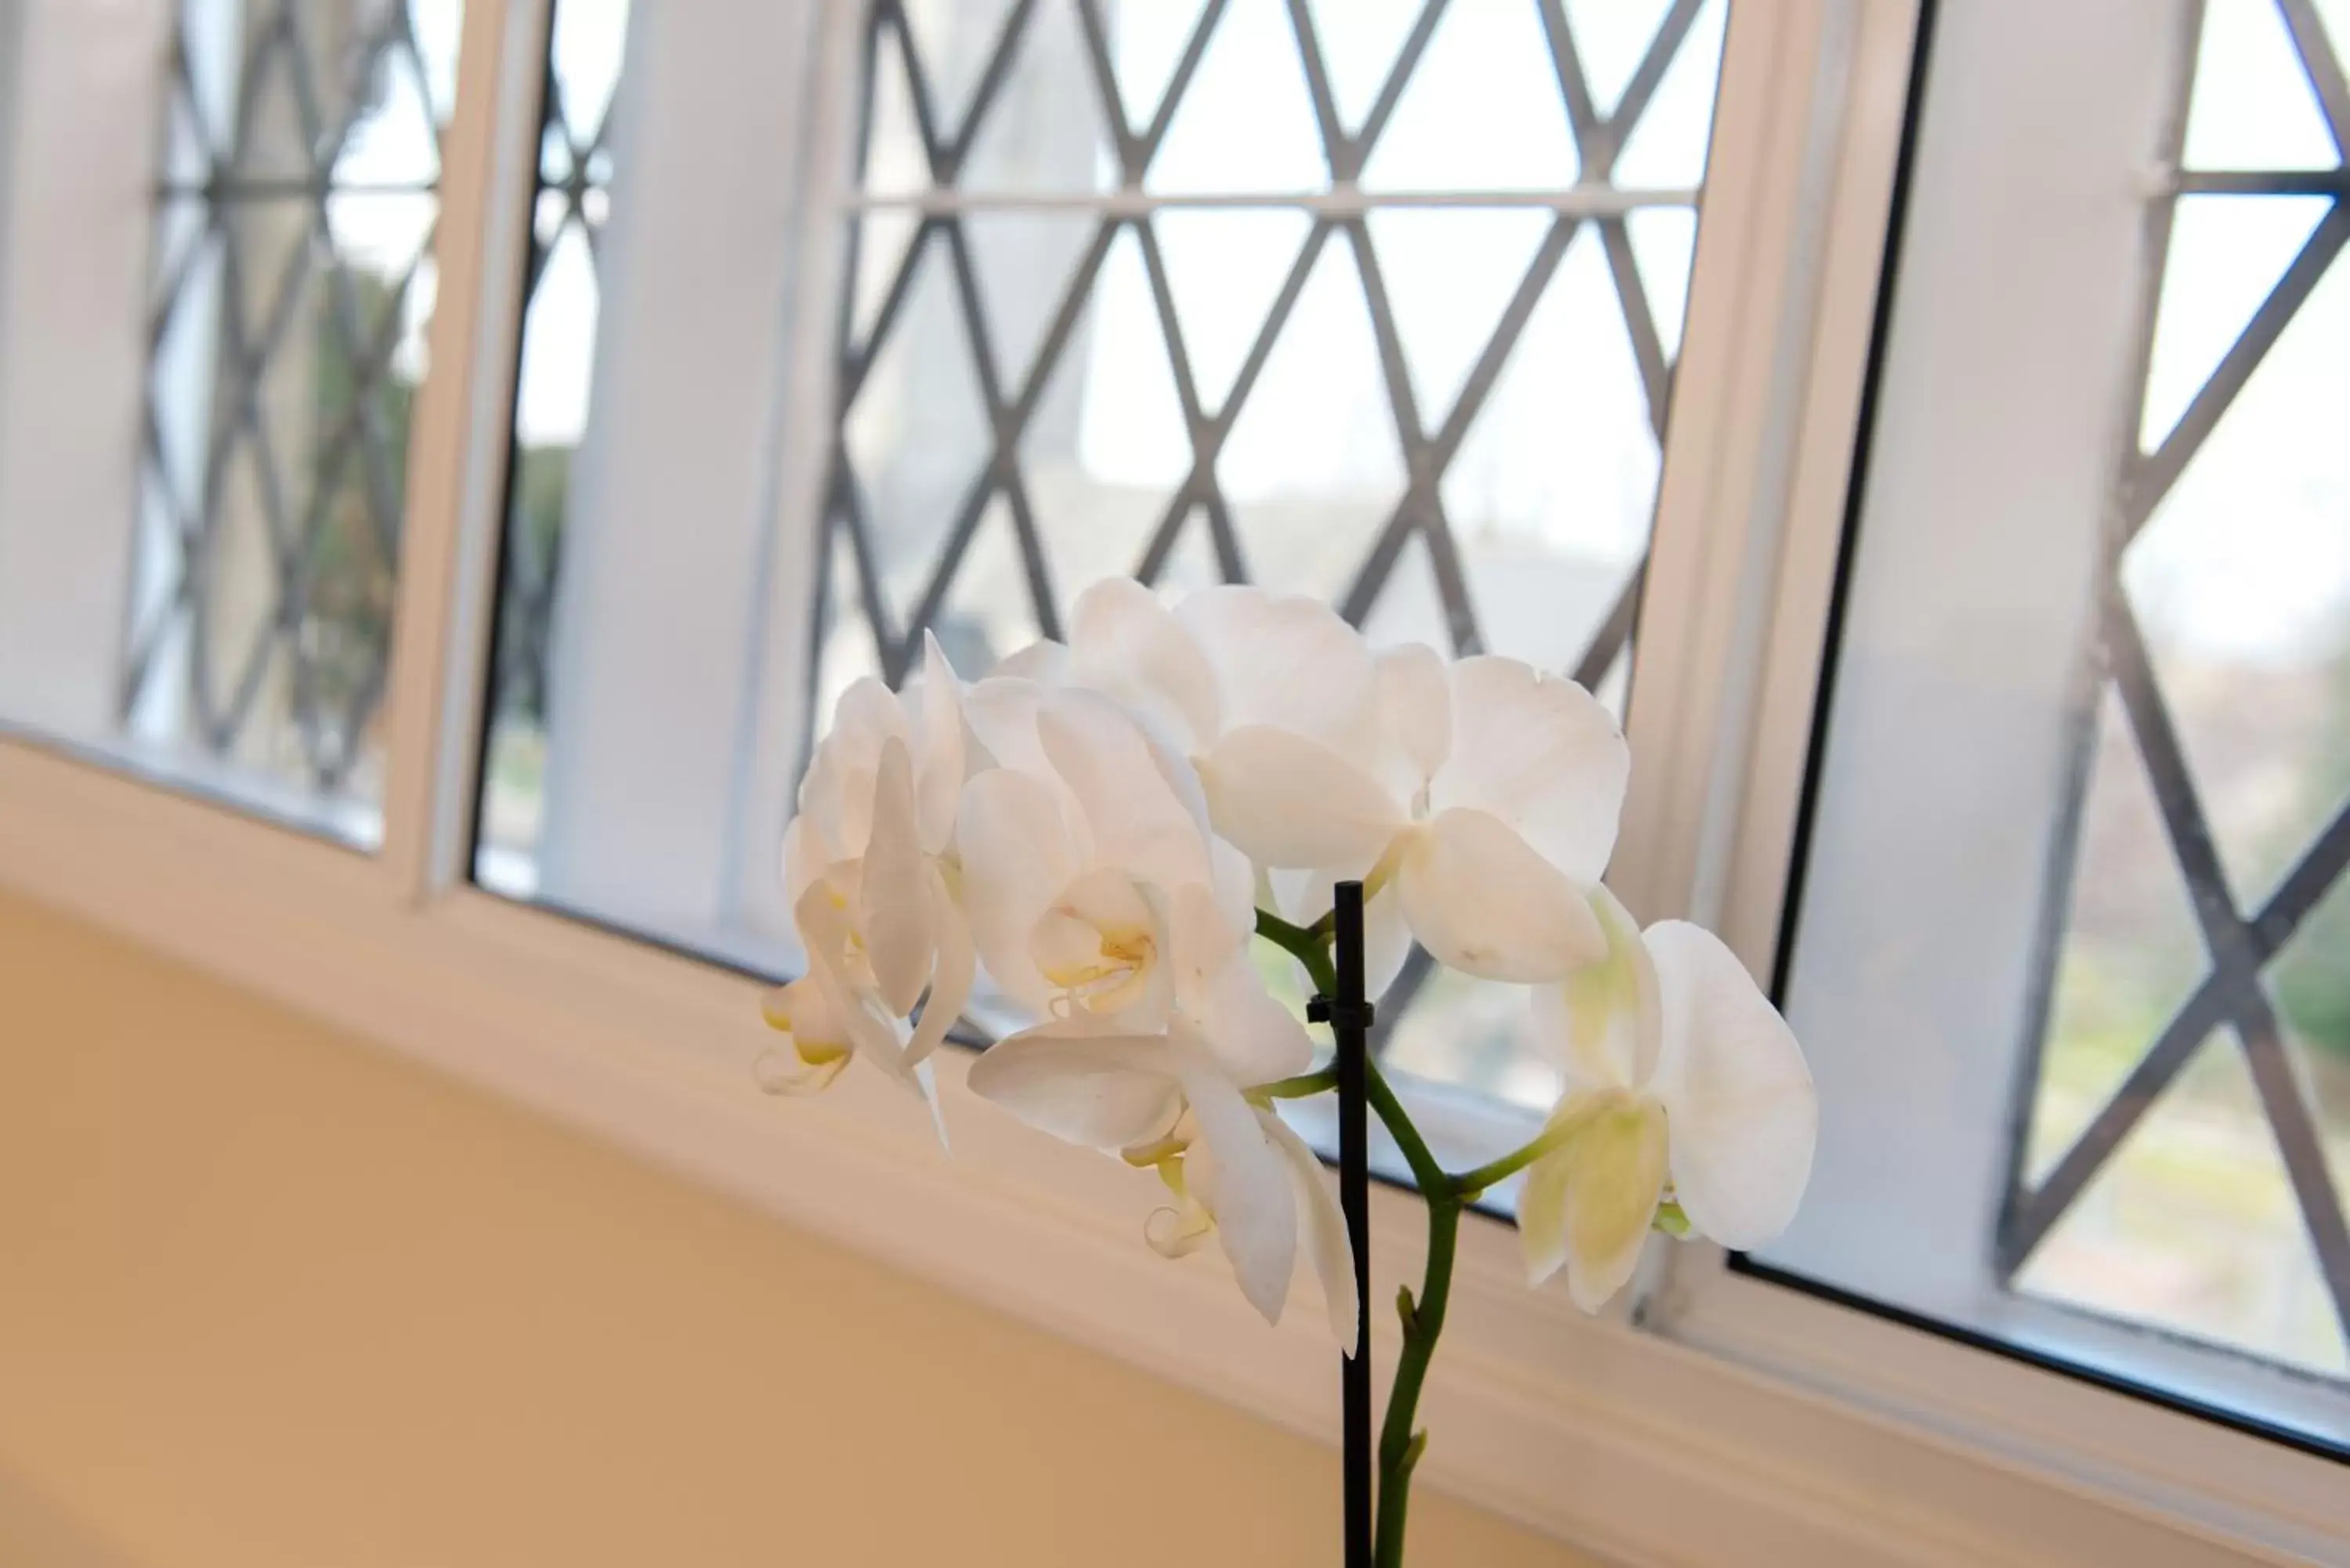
(1617, 1439)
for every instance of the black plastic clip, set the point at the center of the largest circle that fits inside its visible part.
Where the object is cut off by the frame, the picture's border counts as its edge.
(1323, 1009)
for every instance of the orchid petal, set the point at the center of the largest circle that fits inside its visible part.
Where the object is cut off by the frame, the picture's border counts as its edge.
(1100, 1091)
(1254, 1038)
(1327, 1242)
(1415, 704)
(1204, 941)
(1600, 1025)
(1288, 800)
(1102, 944)
(837, 792)
(1303, 898)
(798, 1073)
(867, 714)
(824, 931)
(1589, 1205)
(1016, 858)
(803, 863)
(1731, 1076)
(1135, 822)
(1001, 713)
(925, 1078)
(1044, 661)
(1288, 661)
(1231, 882)
(1247, 1185)
(1481, 901)
(939, 755)
(819, 1041)
(1386, 942)
(1542, 754)
(1124, 642)
(825, 808)
(951, 983)
(1183, 1230)
(893, 892)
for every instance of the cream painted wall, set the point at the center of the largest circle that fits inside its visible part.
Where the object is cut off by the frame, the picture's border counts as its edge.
(270, 1299)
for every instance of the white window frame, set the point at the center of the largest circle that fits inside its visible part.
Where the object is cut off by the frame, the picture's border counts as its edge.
(1759, 1427)
(2028, 1396)
(1991, 519)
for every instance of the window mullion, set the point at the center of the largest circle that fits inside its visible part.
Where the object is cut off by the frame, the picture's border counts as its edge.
(79, 194)
(456, 449)
(1783, 119)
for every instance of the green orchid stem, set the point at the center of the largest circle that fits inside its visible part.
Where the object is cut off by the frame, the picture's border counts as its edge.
(1309, 945)
(1302, 1087)
(1471, 1185)
(1423, 1321)
(1446, 1195)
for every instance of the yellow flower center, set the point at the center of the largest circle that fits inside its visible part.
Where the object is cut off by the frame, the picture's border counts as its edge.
(1097, 946)
(1111, 976)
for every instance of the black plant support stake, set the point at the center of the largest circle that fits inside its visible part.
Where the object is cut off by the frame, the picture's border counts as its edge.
(1348, 1014)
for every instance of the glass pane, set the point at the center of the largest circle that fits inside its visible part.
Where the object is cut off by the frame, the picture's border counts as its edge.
(2193, 1228)
(1067, 348)
(553, 388)
(1668, 149)
(1314, 466)
(1044, 133)
(1362, 44)
(2312, 980)
(2240, 581)
(1108, 447)
(2252, 107)
(1244, 389)
(1480, 111)
(1557, 477)
(1244, 122)
(289, 340)
(2071, 908)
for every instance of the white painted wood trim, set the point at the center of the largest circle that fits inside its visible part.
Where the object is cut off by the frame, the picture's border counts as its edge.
(1879, 44)
(1721, 497)
(439, 629)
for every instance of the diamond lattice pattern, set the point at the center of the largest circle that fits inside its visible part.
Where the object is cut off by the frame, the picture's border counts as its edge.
(1313, 295)
(1377, 302)
(2191, 1137)
(293, 286)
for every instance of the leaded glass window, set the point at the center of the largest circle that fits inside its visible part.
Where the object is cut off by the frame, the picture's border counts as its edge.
(1376, 301)
(2068, 942)
(2186, 1139)
(292, 284)
(1373, 302)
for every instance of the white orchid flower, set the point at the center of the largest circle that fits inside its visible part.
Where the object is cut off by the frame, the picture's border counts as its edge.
(1226, 659)
(869, 870)
(1098, 898)
(1487, 794)
(1489, 806)
(1173, 1101)
(1076, 847)
(1680, 1074)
